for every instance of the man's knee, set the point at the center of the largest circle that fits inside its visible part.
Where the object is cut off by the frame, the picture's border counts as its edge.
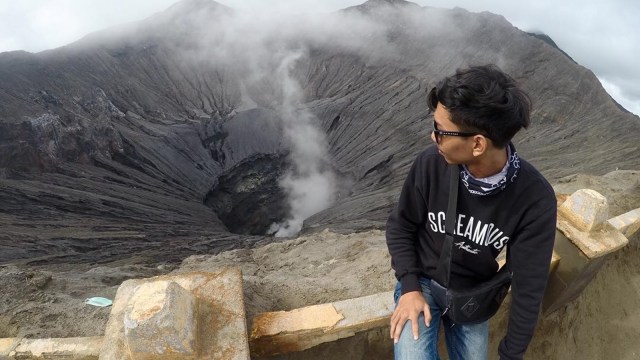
(424, 348)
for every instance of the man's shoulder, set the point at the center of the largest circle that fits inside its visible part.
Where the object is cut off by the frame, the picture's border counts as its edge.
(534, 181)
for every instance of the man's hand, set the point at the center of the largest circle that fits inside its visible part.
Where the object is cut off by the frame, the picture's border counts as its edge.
(409, 307)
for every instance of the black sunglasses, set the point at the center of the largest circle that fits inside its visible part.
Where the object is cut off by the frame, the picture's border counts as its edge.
(439, 133)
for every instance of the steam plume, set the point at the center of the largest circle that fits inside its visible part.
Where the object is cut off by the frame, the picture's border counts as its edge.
(310, 182)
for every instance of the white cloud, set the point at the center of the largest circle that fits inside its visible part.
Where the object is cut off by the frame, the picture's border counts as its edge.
(37, 25)
(619, 95)
(603, 36)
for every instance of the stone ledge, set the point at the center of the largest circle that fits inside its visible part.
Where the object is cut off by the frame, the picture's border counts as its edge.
(282, 332)
(79, 348)
(582, 218)
(628, 223)
(296, 330)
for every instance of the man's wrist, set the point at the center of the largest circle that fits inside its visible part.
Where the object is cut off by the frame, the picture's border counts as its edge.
(409, 283)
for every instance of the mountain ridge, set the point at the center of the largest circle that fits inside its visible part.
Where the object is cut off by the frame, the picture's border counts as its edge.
(159, 115)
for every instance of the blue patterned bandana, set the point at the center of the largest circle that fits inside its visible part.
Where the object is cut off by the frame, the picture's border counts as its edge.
(477, 187)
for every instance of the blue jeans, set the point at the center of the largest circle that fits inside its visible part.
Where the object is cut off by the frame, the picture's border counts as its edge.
(464, 342)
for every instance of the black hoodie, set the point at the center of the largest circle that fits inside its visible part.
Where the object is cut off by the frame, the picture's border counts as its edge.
(522, 217)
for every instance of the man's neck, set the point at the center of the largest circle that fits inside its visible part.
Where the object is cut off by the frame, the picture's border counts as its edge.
(489, 164)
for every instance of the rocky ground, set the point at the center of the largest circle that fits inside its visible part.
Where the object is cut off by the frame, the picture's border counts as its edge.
(125, 153)
(47, 301)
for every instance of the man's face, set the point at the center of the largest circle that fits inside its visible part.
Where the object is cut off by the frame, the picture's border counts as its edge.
(455, 149)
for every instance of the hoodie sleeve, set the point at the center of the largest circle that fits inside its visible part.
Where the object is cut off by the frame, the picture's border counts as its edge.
(529, 259)
(402, 229)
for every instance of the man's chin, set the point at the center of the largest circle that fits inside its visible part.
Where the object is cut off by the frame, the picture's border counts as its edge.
(449, 161)
(445, 157)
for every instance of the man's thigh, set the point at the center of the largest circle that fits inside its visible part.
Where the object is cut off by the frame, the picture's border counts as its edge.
(466, 342)
(426, 347)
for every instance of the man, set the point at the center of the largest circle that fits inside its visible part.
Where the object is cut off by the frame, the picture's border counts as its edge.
(502, 201)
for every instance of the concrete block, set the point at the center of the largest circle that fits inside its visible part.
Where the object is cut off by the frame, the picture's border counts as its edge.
(296, 330)
(221, 326)
(584, 240)
(160, 322)
(628, 223)
(582, 219)
(7, 345)
(87, 348)
(586, 209)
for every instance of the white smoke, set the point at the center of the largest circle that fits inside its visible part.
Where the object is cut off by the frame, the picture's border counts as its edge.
(310, 183)
(265, 50)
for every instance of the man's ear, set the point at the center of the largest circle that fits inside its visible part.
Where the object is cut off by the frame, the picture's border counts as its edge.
(480, 145)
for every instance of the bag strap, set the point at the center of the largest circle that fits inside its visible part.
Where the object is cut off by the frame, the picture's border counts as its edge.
(443, 271)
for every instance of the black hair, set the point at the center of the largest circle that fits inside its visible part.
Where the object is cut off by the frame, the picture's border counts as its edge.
(483, 99)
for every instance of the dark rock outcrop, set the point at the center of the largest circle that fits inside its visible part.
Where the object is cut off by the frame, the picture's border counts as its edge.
(110, 145)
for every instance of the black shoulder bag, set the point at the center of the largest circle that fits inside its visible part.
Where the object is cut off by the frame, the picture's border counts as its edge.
(473, 305)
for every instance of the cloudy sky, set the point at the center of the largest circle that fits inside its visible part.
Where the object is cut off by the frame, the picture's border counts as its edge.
(603, 36)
